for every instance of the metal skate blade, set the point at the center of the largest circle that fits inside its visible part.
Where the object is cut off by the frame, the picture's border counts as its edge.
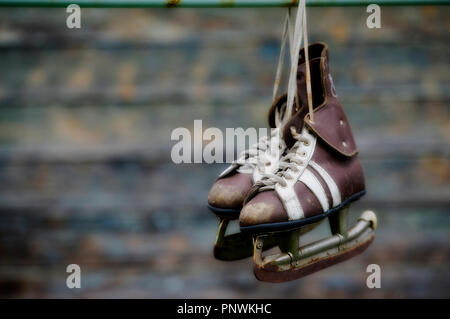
(317, 255)
(264, 274)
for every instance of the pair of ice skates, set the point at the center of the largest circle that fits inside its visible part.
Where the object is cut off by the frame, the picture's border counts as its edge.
(284, 186)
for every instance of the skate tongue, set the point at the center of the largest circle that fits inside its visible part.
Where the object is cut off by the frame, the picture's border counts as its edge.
(315, 83)
(317, 52)
(277, 109)
(296, 121)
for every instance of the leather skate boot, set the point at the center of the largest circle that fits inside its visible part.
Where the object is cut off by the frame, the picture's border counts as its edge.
(229, 191)
(319, 177)
(227, 195)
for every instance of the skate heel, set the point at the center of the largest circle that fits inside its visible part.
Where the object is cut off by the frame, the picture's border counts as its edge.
(295, 262)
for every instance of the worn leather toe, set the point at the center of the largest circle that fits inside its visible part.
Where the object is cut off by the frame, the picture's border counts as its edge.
(230, 192)
(264, 208)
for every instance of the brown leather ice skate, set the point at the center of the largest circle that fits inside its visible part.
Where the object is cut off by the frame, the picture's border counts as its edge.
(227, 195)
(229, 191)
(319, 177)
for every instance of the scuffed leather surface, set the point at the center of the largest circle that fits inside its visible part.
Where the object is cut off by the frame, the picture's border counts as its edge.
(332, 127)
(230, 191)
(346, 172)
(264, 208)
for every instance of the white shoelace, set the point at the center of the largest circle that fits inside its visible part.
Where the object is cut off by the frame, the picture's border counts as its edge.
(287, 35)
(300, 32)
(293, 159)
(255, 156)
(287, 163)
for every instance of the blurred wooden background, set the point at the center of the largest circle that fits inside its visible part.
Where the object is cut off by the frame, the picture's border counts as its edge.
(85, 169)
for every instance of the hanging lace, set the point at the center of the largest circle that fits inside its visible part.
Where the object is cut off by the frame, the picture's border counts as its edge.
(308, 72)
(287, 35)
(295, 157)
(255, 156)
(299, 32)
